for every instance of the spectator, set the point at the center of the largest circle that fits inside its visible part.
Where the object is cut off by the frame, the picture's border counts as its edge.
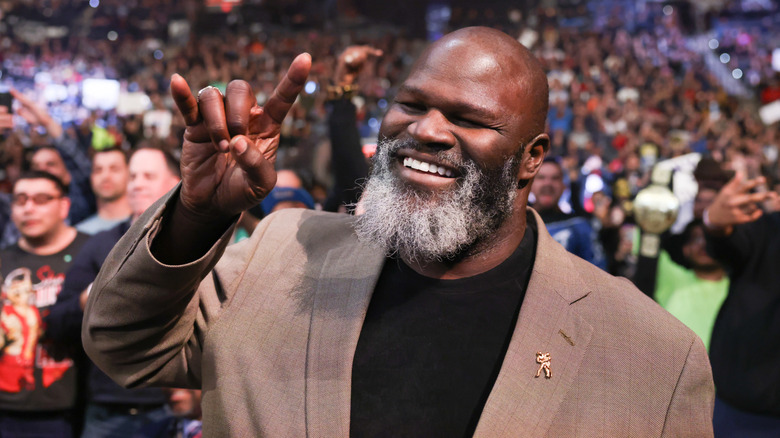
(109, 180)
(286, 197)
(38, 384)
(49, 159)
(695, 291)
(149, 175)
(59, 155)
(185, 419)
(743, 351)
(348, 162)
(113, 411)
(573, 232)
(288, 178)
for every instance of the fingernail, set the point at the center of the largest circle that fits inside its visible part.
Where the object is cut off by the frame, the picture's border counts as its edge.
(224, 145)
(208, 88)
(240, 146)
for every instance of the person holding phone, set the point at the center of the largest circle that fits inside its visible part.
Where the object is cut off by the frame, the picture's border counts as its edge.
(6, 112)
(743, 350)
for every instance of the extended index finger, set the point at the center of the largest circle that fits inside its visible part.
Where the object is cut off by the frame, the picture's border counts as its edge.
(21, 97)
(753, 183)
(188, 105)
(283, 97)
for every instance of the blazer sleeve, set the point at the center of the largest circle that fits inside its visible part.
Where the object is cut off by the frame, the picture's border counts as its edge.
(690, 410)
(145, 322)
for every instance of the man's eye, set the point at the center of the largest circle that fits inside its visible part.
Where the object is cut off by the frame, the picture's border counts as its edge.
(466, 123)
(411, 107)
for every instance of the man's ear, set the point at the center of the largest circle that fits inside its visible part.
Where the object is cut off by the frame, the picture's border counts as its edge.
(64, 207)
(532, 159)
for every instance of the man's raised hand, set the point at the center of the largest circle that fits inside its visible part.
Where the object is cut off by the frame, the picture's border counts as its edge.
(736, 204)
(230, 143)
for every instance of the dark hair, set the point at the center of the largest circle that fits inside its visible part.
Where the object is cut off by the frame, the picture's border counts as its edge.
(50, 148)
(170, 161)
(94, 152)
(685, 235)
(40, 174)
(683, 239)
(30, 154)
(711, 174)
(554, 160)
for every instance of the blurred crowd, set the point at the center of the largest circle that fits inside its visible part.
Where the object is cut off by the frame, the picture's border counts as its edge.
(623, 99)
(93, 76)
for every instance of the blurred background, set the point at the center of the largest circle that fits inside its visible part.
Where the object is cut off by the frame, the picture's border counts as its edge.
(632, 83)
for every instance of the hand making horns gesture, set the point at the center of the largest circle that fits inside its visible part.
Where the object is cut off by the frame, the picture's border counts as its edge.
(230, 143)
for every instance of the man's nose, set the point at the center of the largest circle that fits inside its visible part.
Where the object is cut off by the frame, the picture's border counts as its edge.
(28, 206)
(433, 128)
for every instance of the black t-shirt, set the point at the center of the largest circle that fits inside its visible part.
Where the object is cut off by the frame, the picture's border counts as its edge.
(744, 350)
(430, 350)
(36, 374)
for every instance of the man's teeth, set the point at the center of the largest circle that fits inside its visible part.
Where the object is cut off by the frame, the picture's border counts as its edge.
(422, 166)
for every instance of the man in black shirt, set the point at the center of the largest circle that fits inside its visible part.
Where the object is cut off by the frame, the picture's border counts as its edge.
(37, 373)
(431, 314)
(743, 350)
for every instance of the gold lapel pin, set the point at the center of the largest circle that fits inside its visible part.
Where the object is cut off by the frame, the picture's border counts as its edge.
(543, 359)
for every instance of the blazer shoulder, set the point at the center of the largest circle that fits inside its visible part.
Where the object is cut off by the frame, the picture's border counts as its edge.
(328, 229)
(295, 234)
(624, 305)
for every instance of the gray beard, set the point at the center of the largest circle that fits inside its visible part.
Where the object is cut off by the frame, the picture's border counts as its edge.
(423, 226)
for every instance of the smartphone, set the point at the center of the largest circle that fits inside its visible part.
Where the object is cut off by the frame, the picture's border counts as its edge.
(6, 100)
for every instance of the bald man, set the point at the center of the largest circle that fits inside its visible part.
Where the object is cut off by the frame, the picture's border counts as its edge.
(445, 310)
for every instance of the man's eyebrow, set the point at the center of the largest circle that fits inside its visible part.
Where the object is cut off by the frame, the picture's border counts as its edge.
(457, 108)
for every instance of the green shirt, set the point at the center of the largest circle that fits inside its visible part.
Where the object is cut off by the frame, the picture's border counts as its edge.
(690, 299)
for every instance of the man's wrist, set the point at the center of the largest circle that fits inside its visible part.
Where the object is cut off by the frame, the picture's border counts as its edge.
(199, 218)
(705, 218)
(185, 236)
(714, 229)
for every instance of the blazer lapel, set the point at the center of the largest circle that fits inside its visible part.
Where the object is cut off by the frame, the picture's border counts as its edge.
(347, 279)
(520, 403)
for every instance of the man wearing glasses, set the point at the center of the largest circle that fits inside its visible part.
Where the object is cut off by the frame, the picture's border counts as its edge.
(39, 401)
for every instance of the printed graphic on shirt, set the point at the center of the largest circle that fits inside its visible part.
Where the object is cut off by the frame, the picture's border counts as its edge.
(37, 373)
(21, 325)
(22, 328)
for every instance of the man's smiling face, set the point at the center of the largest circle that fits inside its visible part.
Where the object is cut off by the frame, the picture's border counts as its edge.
(452, 108)
(449, 157)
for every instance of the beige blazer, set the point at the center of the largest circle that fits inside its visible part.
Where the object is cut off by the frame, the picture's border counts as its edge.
(270, 337)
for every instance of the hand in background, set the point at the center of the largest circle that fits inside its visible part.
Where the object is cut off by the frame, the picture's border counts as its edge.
(6, 119)
(35, 115)
(735, 204)
(351, 62)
